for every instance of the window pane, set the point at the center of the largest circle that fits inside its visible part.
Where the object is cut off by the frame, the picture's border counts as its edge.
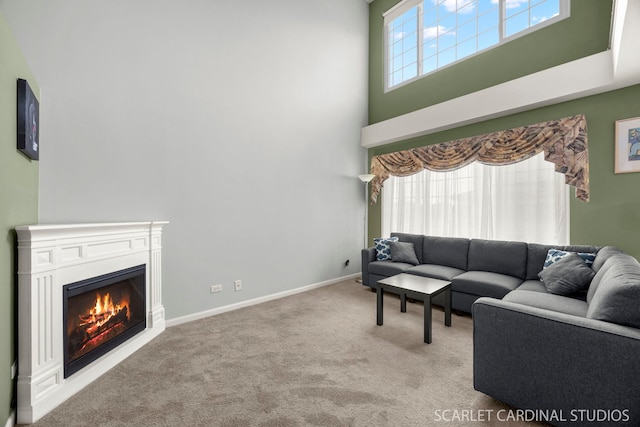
(464, 3)
(429, 64)
(410, 42)
(396, 78)
(409, 72)
(488, 20)
(430, 34)
(429, 50)
(466, 31)
(466, 13)
(488, 39)
(409, 27)
(395, 64)
(486, 5)
(446, 57)
(467, 48)
(430, 14)
(544, 10)
(448, 22)
(513, 7)
(396, 49)
(410, 56)
(446, 40)
(516, 23)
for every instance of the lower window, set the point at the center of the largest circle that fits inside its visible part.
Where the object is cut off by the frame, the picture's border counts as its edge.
(526, 201)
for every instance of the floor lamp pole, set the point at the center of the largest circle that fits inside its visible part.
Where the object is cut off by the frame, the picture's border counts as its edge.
(366, 178)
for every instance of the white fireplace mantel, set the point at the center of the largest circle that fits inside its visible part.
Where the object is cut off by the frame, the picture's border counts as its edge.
(51, 256)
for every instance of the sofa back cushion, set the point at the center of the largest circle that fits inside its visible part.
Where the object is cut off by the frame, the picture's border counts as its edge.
(416, 239)
(497, 256)
(447, 251)
(617, 295)
(602, 271)
(603, 255)
(536, 254)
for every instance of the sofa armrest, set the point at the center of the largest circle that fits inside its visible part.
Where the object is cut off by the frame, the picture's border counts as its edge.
(547, 361)
(368, 255)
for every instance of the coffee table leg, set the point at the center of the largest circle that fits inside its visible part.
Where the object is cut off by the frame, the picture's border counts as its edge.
(379, 305)
(447, 308)
(427, 319)
(403, 302)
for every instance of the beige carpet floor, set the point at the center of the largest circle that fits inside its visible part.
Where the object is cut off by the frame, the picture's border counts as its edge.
(312, 359)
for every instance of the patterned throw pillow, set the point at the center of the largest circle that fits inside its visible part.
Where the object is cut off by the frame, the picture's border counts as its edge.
(555, 255)
(383, 250)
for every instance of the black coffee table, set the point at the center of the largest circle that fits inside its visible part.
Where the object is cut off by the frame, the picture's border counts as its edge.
(419, 288)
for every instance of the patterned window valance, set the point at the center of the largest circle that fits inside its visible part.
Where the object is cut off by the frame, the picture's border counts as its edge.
(564, 142)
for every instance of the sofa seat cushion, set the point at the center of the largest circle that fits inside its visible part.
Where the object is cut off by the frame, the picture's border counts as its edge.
(485, 283)
(388, 268)
(532, 285)
(538, 286)
(547, 301)
(435, 271)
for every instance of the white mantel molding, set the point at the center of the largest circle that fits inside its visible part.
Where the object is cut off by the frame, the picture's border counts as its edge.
(51, 256)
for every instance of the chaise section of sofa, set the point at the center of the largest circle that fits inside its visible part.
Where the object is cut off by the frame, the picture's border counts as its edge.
(571, 357)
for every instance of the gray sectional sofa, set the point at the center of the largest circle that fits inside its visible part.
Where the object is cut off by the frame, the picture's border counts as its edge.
(476, 267)
(569, 358)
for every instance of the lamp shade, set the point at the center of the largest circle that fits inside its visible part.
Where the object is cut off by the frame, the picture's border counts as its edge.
(366, 177)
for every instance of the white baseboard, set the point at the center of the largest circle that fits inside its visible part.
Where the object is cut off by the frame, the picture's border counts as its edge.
(10, 421)
(219, 310)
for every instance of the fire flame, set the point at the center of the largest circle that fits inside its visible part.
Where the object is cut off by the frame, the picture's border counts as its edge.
(103, 310)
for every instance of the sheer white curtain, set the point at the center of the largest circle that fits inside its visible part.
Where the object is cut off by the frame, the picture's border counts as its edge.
(526, 201)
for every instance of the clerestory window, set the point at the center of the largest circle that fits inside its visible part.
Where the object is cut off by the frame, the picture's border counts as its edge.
(423, 36)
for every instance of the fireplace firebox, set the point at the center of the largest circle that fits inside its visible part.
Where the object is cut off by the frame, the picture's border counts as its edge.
(101, 313)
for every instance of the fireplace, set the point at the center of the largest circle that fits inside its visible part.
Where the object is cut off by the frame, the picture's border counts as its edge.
(101, 313)
(89, 296)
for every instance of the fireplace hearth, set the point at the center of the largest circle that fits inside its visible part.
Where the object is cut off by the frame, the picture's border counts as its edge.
(89, 296)
(101, 313)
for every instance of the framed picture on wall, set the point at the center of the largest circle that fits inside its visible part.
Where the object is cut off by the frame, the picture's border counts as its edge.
(28, 121)
(628, 145)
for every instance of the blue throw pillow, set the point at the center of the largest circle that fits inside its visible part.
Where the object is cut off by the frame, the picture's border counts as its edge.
(383, 250)
(555, 255)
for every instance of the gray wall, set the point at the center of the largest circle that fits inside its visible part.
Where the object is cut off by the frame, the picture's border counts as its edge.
(237, 121)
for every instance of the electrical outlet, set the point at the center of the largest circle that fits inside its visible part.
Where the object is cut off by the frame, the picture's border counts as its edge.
(14, 370)
(216, 288)
(237, 284)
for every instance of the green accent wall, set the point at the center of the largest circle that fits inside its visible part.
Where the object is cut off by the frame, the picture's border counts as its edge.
(18, 204)
(612, 217)
(584, 33)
